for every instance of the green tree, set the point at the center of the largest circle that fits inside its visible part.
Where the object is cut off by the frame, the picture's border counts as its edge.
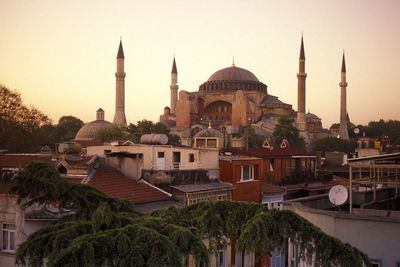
(254, 140)
(105, 231)
(330, 144)
(66, 128)
(286, 130)
(394, 136)
(19, 125)
(111, 134)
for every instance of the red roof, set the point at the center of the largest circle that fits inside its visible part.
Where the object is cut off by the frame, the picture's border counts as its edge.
(266, 153)
(20, 160)
(115, 184)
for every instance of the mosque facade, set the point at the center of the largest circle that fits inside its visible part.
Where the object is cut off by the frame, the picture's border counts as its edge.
(230, 98)
(234, 97)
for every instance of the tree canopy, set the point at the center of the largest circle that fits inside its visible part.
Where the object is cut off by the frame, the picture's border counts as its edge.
(382, 129)
(19, 124)
(26, 129)
(330, 144)
(108, 231)
(286, 130)
(66, 128)
(114, 133)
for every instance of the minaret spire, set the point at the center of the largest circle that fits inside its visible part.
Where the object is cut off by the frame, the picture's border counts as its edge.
(343, 63)
(174, 86)
(343, 133)
(119, 116)
(174, 70)
(301, 89)
(120, 50)
(302, 55)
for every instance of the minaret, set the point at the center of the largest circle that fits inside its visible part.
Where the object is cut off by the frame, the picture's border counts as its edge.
(174, 87)
(119, 117)
(343, 133)
(301, 90)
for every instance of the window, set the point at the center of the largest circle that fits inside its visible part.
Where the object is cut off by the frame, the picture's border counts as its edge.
(221, 258)
(191, 157)
(247, 173)
(8, 237)
(375, 263)
(160, 154)
(176, 160)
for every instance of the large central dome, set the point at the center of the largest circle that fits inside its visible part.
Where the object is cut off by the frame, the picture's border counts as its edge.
(232, 79)
(233, 74)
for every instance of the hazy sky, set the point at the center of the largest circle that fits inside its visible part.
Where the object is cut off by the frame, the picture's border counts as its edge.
(61, 55)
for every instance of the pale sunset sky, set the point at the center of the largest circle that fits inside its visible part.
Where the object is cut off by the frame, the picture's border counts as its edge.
(61, 55)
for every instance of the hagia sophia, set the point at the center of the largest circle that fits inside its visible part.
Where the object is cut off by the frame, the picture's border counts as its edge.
(230, 98)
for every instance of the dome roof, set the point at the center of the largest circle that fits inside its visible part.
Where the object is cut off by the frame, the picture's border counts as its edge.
(89, 130)
(210, 132)
(233, 74)
(232, 79)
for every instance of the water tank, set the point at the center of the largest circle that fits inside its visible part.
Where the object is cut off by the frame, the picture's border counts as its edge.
(154, 139)
(69, 148)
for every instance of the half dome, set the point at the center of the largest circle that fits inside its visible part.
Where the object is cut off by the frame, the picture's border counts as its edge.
(232, 79)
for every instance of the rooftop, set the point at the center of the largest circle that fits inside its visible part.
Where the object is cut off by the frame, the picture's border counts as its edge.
(115, 184)
(266, 153)
(192, 188)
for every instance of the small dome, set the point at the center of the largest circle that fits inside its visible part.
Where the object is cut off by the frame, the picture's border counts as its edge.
(312, 116)
(89, 130)
(233, 74)
(232, 79)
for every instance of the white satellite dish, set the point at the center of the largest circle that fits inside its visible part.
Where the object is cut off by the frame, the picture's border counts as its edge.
(356, 130)
(338, 195)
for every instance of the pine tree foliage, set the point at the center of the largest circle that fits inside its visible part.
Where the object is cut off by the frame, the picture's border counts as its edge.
(105, 231)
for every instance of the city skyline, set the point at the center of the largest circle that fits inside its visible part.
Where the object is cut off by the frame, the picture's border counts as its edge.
(61, 56)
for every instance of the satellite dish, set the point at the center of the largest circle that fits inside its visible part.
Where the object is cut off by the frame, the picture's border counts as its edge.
(338, 195)
(356, 130)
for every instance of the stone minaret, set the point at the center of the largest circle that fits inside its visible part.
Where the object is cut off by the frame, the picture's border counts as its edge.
(343, 133)
(301, 90)
(174, 87)
(119, 117)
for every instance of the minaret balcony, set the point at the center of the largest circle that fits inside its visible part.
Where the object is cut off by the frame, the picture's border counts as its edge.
(120, 74)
